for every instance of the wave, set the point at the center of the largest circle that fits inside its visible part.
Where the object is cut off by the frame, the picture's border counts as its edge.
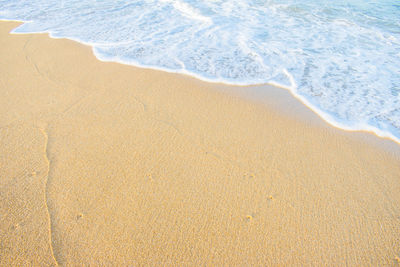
(340, 59)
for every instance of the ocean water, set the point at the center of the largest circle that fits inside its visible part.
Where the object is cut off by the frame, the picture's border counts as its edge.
(341, 58)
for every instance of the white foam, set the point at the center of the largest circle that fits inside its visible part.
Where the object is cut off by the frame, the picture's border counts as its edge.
(188, 11)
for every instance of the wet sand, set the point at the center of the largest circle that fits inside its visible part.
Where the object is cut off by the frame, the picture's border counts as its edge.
(107, 164)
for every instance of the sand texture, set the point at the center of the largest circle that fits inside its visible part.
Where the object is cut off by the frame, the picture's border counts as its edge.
(105, 164)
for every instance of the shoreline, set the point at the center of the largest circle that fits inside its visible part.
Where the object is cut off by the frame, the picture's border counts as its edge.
(302, 99)
(285, 102)
(108, 164)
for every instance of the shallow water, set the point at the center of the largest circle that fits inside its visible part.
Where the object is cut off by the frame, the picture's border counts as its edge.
(341, 58)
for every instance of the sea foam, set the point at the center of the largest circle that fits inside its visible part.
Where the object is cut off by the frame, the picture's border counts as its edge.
(341, 58)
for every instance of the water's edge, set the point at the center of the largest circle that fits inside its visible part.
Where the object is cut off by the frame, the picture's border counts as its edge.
(292, 89)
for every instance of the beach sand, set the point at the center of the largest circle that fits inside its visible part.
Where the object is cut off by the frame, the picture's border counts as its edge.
(107, 164)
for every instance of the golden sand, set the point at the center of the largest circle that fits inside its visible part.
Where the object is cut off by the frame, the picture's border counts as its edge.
(106, 164)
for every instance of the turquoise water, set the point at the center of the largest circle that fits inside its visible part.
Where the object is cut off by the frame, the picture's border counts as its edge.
(341, 58)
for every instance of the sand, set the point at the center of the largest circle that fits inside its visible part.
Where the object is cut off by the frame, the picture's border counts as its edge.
(107, 164)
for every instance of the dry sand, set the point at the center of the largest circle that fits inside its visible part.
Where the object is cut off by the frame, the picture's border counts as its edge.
(106, 164)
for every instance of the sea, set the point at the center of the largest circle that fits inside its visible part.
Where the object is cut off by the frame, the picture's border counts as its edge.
(340, 58)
